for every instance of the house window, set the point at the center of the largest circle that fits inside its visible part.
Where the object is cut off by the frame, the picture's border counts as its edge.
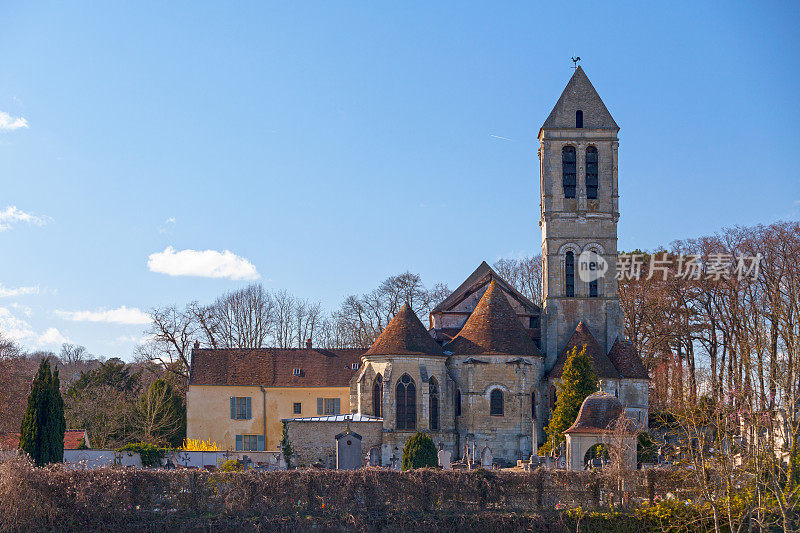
(406, 402)
(496, 403)
(328, 406)
(569, 274)
(578, 118)
(591, 172)
(593, 290)
(250, 443)
(297, 372)
(377, 395)
(568, 171)
(297, 408)
(355, 366)
(241, 408)
(433, 404)
(458, 402)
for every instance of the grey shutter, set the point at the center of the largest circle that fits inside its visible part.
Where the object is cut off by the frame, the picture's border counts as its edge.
(336, 405)
(233, 407)
(239, 445)
(319, 406)
(249, 412)
(262, 445)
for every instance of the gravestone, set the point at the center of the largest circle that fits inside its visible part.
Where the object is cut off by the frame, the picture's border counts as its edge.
(394, 462)
(374, 456)
(444, 459)
(348, 450)
(486, 457)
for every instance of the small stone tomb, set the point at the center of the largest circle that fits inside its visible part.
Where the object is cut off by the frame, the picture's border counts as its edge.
(348, 450)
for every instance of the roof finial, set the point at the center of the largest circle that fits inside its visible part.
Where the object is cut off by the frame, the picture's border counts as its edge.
(575, 61)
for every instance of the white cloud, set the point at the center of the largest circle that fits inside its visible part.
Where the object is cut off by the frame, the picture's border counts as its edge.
(11, 215)
(9, 123)
(132, 338)
(51, 336)
(12, 327)
(24, 309)
(120, 315)
(168, 224)
(202, 263)
(8, 292)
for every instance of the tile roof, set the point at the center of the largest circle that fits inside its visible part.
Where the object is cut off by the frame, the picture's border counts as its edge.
(493, 328)
(73, 438)
(598, 413)
(405, 335)
(482, 275)
(627, 361)
(601, 364)
(580, 94)
(274, 367)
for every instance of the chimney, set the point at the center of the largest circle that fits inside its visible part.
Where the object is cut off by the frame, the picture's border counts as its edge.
(196, 345)
(308, 343)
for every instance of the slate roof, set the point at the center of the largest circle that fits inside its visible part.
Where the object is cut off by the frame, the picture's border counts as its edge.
(598, 413)
(601, 364)
(405, 335)
(580, 94)
(493, 328)
(627, 361)
(483, 274)
(274, 367)
(354, 417)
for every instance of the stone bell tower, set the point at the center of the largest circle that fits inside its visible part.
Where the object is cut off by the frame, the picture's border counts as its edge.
(579, 213)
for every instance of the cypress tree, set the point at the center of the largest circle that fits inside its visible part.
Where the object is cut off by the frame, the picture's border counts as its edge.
(43, 427)
(577, 382)
(419, 452)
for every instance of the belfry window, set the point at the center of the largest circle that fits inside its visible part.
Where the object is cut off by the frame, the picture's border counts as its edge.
(496, 403)
(406, 402)
(593, 289)
(591, 172)
(433, 404)
(569, 274)
(377, 395)
(578, 118)
(568, 171)
(458, 402)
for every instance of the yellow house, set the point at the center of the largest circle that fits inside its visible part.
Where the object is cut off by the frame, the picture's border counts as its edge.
(237, 398)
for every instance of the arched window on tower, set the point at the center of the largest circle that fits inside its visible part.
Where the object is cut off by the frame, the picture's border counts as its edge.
(569, 274)
(433, 404)
(496, 403)
(377, 395)
(568, 171)
(406, 402)
(593, 289)
(591, 172)
(578, 118)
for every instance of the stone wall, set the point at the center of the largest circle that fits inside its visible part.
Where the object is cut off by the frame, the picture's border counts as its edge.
(314, 441)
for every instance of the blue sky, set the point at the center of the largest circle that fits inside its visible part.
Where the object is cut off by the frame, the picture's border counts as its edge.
(327, 145)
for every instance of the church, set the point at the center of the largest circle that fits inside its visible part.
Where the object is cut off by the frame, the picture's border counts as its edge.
(483, 371)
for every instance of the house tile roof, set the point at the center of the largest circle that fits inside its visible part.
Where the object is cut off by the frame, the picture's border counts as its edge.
(493, 328)
(405, 335)
(274, 367)
(601, 364)
(627, 361)
(598, 414)
(73, 439)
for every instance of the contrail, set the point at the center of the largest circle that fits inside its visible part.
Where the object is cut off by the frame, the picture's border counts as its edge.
(498, 137)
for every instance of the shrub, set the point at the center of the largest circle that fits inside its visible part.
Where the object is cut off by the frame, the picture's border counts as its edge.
(150, 454)
(419, 452)
(199, 445)
(645, 449)
(231, 465)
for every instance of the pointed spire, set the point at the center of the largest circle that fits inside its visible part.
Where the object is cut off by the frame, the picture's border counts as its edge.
(580, 94)
(405, 335)
(493, 328)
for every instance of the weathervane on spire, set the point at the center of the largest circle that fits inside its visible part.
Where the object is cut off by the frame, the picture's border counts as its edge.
(575, 61)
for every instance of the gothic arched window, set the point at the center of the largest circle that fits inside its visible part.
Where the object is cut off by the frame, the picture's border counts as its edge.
(496, 403)
(377, 395)
(591, 172)
(568, 171)
(433, 404)
(578, 118)
(406, 402)
(569, 274)
(458, 402)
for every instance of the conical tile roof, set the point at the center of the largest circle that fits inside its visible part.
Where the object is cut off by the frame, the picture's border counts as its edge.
(493, 328)
(581, 337)
(405, 335)
(580, 94)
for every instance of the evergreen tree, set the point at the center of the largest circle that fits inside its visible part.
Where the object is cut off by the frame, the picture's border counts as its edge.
(577, 382)
(43, 427)
(419, 452)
